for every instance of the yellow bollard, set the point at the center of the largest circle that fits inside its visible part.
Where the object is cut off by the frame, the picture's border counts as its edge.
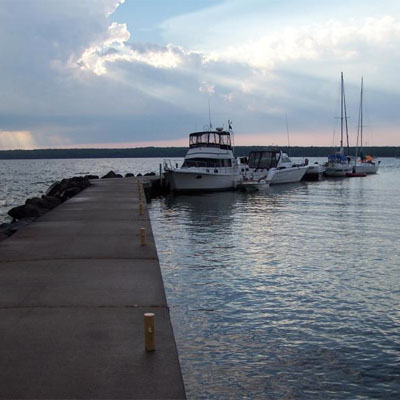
(142, 236)
(149, 331)
(140, 209)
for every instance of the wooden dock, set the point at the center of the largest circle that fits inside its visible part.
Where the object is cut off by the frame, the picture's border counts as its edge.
(74, 287)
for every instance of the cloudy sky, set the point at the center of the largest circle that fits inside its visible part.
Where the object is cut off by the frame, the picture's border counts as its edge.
(109, 73)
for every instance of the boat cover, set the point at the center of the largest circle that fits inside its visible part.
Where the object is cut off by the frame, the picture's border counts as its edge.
(337, 158)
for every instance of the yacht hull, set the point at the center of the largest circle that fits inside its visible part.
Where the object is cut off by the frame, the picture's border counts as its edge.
(366, 168)
(286, 175)
(337, 169)
(314, 172)
(199, 181)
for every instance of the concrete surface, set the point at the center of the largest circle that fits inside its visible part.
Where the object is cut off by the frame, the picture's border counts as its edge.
(74, 287)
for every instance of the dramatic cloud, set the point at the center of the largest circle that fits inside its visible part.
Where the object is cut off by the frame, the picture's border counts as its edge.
(114, 48)
(72, 76)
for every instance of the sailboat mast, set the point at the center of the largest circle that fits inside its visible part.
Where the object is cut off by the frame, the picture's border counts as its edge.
(346, 124)
(341, 112)
(361, 112)
(288, 137)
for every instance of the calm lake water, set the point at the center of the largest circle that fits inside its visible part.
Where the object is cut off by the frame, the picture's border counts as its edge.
(293, 293)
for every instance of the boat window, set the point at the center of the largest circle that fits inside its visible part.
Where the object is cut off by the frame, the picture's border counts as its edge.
(206, 163)
(212, 139)
(262, 159)
(285, 158)
(265, 160)
(254, 159)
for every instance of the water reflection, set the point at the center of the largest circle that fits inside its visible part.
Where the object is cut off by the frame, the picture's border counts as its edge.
(284, 294)
(292, 293)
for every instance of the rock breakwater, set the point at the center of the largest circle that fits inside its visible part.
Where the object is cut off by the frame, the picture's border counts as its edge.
(34, 207)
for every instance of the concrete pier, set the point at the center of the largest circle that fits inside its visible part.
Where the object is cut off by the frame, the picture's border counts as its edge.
(74, 286)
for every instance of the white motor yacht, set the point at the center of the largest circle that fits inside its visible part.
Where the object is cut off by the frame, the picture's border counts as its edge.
(209, 164)
(273, 166)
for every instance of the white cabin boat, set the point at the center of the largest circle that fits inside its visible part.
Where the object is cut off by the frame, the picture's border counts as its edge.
(209, 164)
(273, 166)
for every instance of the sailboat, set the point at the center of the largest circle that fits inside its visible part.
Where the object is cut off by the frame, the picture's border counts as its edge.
(366, 164)
(338, 164)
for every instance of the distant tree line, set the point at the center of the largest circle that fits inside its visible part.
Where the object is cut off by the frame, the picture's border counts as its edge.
(170, 152)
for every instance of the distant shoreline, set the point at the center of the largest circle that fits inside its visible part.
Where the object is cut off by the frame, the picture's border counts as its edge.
(169, 152)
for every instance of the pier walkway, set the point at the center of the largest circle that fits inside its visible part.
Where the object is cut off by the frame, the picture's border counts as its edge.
(74, 286)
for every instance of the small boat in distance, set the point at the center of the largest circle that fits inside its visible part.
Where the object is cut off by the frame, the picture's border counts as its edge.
(273, 166)
(209, 164)
(314, 172)
(338, 164)
(366, 164)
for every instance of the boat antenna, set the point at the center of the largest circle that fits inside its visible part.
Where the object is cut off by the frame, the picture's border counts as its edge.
(287, 132)
(209, 113)
(231, 132)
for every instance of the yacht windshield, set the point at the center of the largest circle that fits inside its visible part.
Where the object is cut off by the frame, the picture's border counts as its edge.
(262, 159)
(285, 158)
(207, 162)
(220, 139)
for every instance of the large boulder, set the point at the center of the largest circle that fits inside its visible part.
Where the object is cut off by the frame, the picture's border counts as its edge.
(51, 200)
(67, 188)
(91, 177)
(129, 175)
(54, 189)
(41, 203)
(25, 211)
(79, 181)
(111, 174)
(71, 191)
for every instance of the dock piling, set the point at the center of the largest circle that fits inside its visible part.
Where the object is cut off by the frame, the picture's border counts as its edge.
(143, 236)
(149, 331)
